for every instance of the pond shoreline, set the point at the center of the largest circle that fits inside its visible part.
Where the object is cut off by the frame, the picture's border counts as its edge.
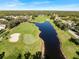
(51, 46)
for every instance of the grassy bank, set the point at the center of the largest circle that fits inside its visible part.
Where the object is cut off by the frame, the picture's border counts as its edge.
(68, 48)
(30, 31)
(40, 19)
(25, 44)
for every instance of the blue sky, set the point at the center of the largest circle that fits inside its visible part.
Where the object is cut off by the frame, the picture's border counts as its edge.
(68, 5)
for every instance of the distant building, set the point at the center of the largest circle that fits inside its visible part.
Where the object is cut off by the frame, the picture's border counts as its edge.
(3, 19)
(57, 18)
(2, 26)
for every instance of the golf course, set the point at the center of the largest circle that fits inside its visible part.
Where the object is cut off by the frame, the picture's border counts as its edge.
(25, 38)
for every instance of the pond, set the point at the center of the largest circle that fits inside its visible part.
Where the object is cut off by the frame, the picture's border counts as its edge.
(51, 41)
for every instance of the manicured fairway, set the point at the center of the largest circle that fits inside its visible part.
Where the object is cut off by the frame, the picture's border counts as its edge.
(29, 40)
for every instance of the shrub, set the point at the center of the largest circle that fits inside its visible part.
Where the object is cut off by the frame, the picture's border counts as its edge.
(1, 31)
(74, 40)
(77, 52)
(13, 23)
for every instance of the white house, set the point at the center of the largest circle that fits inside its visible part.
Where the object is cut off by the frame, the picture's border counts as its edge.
(2, 19)
(2, 26)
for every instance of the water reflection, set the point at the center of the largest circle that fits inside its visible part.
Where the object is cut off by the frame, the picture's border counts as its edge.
(51, 42)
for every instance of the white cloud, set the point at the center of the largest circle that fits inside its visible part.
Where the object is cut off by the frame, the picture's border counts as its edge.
(17, 4)
(10, 4)
(70, 7)
(39, 3)
(45, 5)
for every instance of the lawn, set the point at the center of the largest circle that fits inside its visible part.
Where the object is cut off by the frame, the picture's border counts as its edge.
(40, 19)
(29, 41)
(68, 48)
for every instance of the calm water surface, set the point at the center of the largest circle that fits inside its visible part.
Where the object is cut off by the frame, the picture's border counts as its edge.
(51, 41)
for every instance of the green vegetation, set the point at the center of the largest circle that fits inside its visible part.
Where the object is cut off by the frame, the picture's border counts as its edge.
(75, 40)
(61, 25)
(13, 23)
(40, 19)
(61, 13)
(12, 50)
(68, 48)
(29, 41)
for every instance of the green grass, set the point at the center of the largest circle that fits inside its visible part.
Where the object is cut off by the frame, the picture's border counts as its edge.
(68, 48)
(13, 49)
(40, 19)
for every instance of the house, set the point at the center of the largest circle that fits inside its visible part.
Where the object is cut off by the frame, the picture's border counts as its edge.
(2, 19)
(2, 26)
(57, 18)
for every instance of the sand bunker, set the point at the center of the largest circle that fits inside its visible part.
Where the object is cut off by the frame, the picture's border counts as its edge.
(14, 37)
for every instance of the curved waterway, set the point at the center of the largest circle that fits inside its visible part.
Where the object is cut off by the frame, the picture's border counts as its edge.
(51, 41)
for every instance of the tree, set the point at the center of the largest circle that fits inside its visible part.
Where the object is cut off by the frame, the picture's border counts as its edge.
(2, 55)
(19, 56)
(13, 23)
(27, 55)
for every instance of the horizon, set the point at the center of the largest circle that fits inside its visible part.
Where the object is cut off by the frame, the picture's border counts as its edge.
(48, 5)
(45, 10)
